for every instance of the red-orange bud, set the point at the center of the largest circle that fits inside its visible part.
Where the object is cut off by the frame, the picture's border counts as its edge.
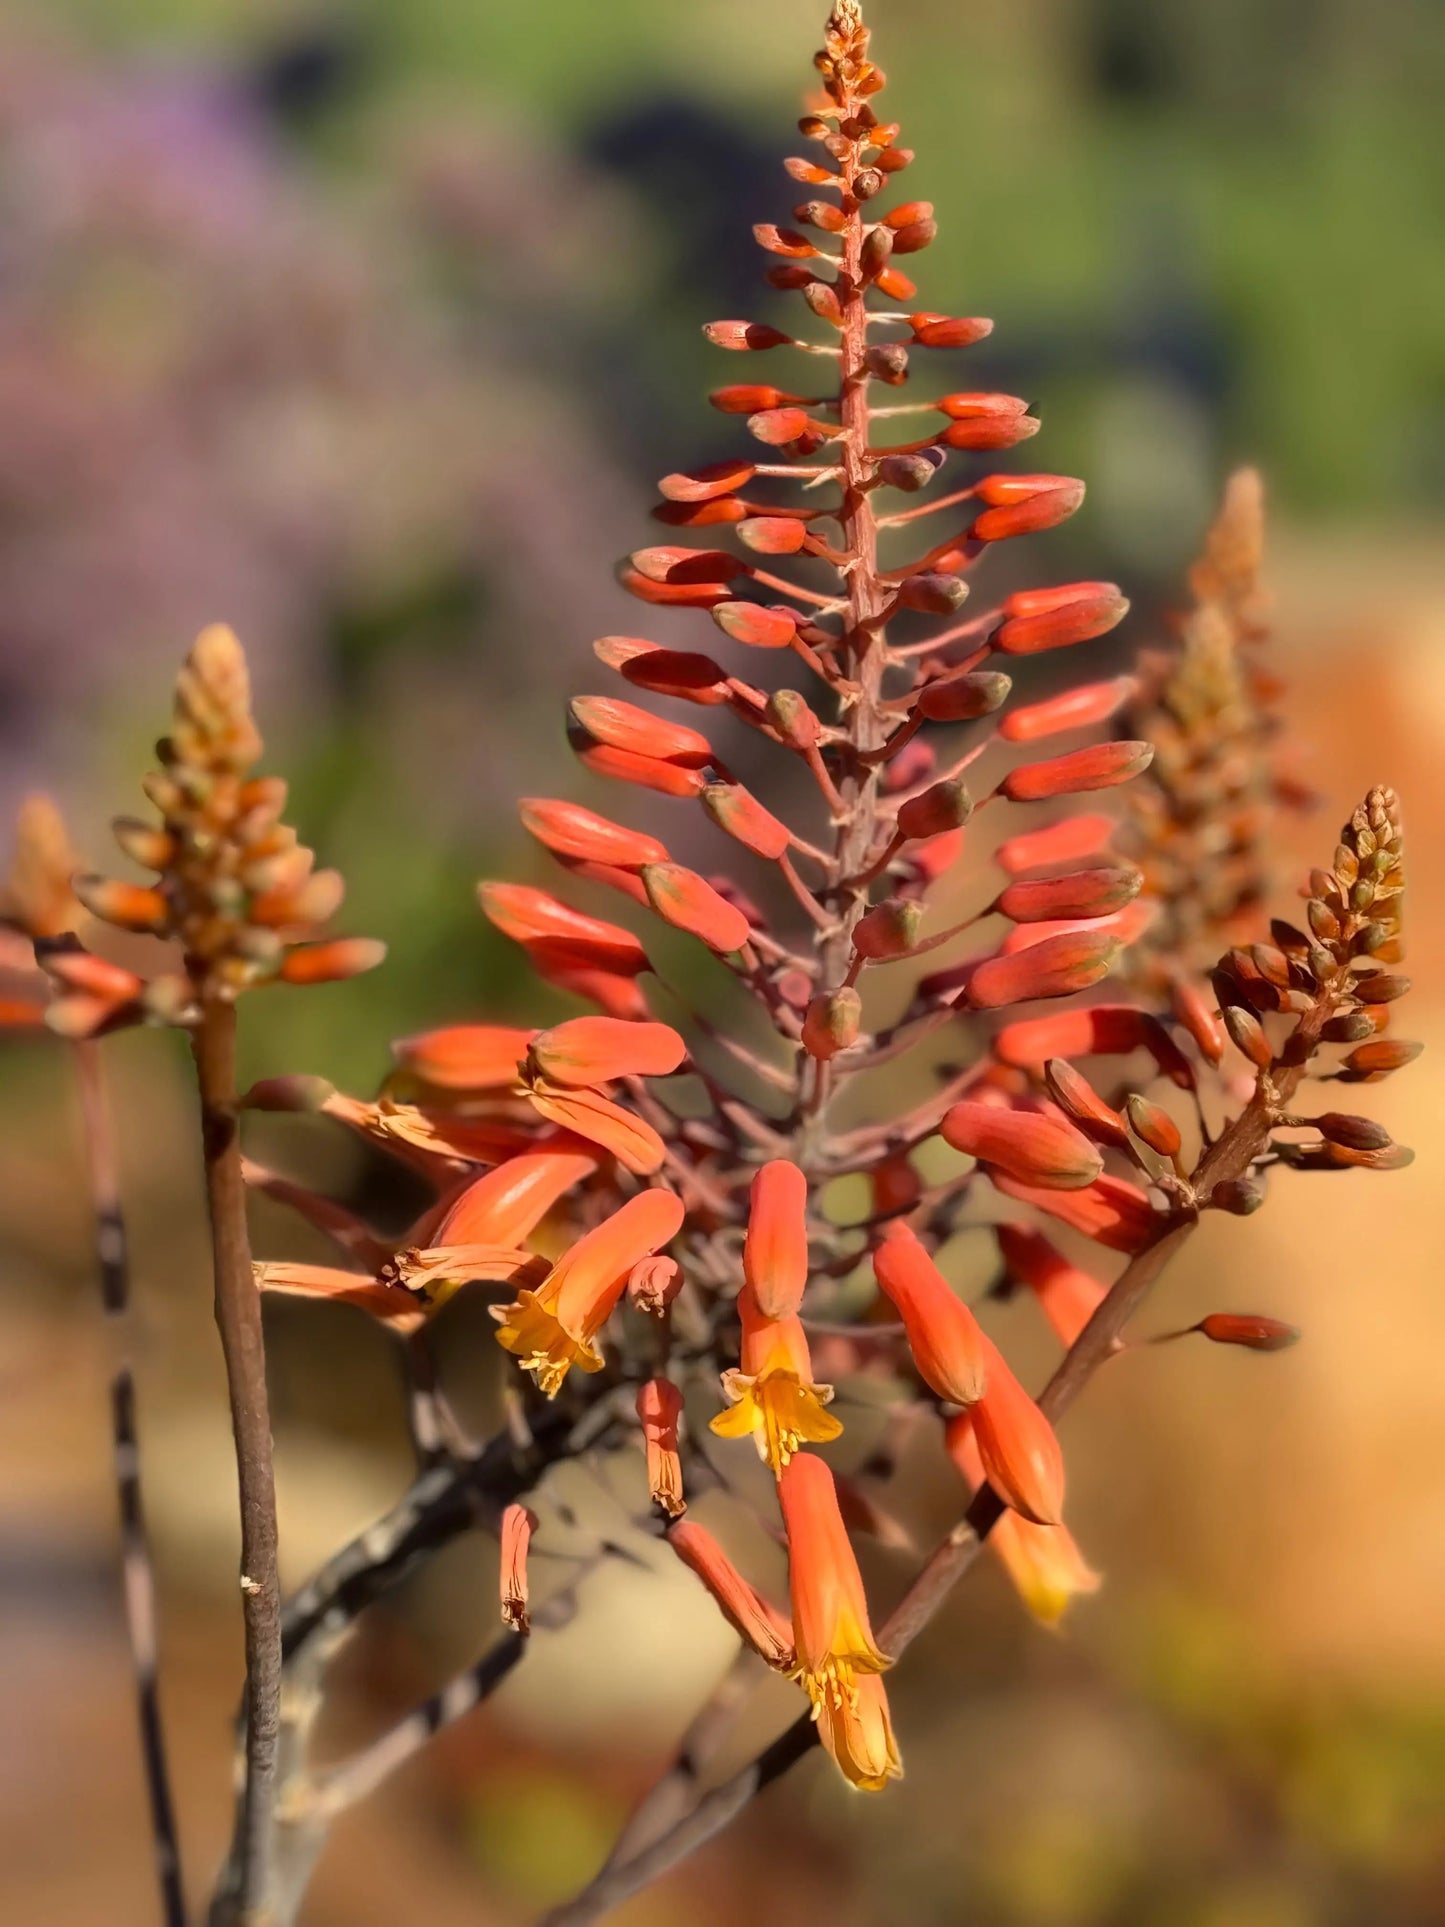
(684, 899)
(595, 1050)
(775, 1249)
(743, 335)
(703, 484)
(1078, 893)
(1030, 1145)
(962, 699)
(773, 534)
(1057, 967)
(832, 1022)
(331, 962)
(1017, 1445)
(529, 916)
(1024, 504)
(1254, 1332)
(622, 725)
(581, 835)
(685, 674)
(737, 811)
(1065, 842)
(748, 398)
(1075, 709)
(760, 628)
(942, 807)
(944, 1337)
(1037, 619)
(465, 1057)
(1100, 766)
(948, 331)
(888, 930)
(1153, 1126)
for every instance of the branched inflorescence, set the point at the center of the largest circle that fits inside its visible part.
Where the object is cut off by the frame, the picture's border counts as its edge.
(651, 1194)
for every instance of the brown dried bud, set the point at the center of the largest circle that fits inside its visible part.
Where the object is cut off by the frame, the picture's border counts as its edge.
(1247, 1034)
(1241, 1197)
(933, 593)
(1356, 1133)
(1378, 1059)
(887, 360)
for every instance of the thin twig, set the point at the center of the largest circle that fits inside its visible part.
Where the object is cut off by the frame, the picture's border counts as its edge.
(138, 1573)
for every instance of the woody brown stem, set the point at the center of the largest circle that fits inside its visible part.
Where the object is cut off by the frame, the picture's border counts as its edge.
(246, 1896)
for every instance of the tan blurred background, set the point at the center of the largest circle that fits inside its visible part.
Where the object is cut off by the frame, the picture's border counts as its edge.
(365, 328)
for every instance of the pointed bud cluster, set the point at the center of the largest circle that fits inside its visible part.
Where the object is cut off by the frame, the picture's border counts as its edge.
(235, 889)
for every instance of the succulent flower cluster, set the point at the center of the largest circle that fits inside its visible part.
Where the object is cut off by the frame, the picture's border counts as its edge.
(683, 1217)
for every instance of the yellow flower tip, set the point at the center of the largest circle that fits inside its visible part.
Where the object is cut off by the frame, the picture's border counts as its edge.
(537, 1340)
(778, 1412)
(858, 1733)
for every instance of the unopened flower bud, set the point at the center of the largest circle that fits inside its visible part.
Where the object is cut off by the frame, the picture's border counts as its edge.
(943, 807)
(1153, 1126)
(1029, 1145)
(794, 721)
(1240, 1197)
(933, 593)
(889, 930)
(1250, 1329)
(832, 1023)
(963, 699)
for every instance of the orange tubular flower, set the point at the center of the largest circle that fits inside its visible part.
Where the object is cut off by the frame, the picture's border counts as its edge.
(837, 1656)
(1044, 1562)
(948, 1346)
(775, 1250)
(774, 1399)
(519, 1522)
(754, 1619)
(508, 1204)
(1017, 1445)
(1068, 1295)
(596, 1050)
(659, 1407)
(465, 1057)
(553, 1328)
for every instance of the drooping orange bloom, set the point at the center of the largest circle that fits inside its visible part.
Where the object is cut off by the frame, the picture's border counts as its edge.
(551, 1329)
(659, 1407)
(1044, 1562)
(755, 1620)
(838, 1658)
(945, 1338)
(775, 1250)
(507, 1204)
(1017, 1445)
(465, 1057)
(774, 1399)
(519, 1522)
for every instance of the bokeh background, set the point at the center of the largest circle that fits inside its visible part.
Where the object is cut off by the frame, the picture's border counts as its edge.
(365, 328)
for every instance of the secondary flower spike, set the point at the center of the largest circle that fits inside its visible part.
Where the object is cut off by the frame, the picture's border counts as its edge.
(553, 1328)
(773, 1397)
(837, 1655)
